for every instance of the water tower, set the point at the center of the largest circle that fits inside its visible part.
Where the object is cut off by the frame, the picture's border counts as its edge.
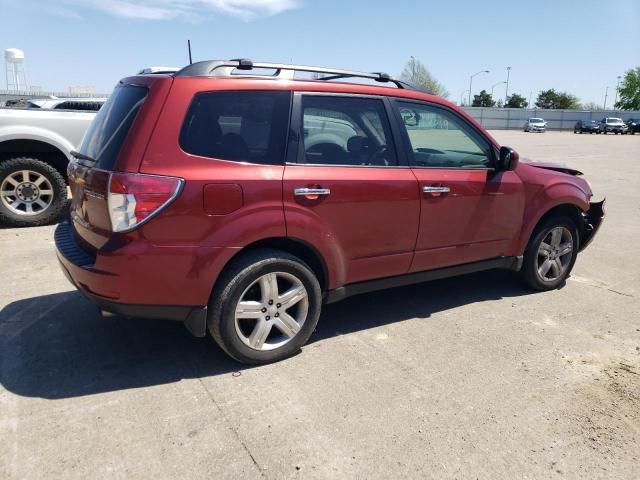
(14, 67)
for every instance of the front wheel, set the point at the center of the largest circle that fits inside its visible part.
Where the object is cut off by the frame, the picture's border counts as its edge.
(265, 307)
(551, 254)
(32, 192)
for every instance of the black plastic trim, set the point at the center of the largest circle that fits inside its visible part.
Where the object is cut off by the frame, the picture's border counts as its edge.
(508, 263)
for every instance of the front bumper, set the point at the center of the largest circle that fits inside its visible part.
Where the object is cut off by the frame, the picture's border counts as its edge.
(79, 268)
(592, 222)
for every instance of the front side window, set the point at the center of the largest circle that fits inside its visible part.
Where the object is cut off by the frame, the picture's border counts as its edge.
(440, 139)
(243, 126)
(346, 131)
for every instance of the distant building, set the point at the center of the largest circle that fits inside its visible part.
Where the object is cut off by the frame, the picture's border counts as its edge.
(76, 90)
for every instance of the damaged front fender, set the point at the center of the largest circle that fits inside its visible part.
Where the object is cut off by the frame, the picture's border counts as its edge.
(592, 221)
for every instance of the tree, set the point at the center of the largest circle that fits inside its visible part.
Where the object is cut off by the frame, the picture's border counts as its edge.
(551, 99)
(516, 101)
(415, 72)
(591, 106)
(483, 99)
(630, 91)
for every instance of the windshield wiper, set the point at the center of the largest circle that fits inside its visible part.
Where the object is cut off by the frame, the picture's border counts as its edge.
(82, 156)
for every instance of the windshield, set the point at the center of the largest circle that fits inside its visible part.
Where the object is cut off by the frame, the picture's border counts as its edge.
(615, 120)
(109, 129)
(536, 120)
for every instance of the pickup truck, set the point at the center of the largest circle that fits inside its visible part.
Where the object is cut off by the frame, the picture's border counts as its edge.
(35, 148)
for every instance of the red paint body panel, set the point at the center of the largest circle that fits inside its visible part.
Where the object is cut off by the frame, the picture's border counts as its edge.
(375, 223)
(369, 221)
(476, 220)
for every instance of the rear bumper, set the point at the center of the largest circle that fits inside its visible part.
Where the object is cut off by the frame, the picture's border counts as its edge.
(592, 222)
(113, 290)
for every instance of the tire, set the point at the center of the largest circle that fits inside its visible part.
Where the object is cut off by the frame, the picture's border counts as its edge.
(44, 208)
(242, 280)
(534, 259)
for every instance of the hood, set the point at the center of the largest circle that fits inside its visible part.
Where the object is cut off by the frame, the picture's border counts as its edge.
(556, 167)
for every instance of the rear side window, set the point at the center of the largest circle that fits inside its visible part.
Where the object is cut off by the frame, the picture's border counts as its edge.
(109, 129)
(243, 126)
(350, 131)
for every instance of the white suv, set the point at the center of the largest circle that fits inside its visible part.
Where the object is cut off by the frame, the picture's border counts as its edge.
(535, 125)
(612, 124)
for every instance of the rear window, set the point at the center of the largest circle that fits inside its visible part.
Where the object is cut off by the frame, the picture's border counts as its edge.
(243, 126)
(109, 129)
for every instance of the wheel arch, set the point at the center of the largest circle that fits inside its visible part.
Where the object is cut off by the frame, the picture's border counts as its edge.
(299, 248)
(566, 209)
(44, 151)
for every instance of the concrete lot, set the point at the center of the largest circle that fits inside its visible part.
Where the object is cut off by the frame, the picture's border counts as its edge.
(472, 377)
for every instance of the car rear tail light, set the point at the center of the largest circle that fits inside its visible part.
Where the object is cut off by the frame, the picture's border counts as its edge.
(134, 198)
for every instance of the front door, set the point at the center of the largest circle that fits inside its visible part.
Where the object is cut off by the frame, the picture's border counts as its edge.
(345, 189)
(469, 212)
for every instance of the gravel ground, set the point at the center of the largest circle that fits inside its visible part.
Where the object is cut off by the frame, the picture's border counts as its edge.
(473, 377)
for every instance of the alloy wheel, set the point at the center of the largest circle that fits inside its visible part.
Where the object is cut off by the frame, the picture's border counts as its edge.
(554, 254)
(271, 311)
(26, 192)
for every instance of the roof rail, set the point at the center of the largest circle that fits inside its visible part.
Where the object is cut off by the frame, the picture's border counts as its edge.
(224, 68)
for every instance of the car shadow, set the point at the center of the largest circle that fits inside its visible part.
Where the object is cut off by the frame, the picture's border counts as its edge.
(57, 346)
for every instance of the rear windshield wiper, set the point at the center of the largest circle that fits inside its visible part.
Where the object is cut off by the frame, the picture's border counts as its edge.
(82, 156)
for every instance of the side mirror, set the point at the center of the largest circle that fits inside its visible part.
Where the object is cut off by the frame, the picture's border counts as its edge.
(508, 159)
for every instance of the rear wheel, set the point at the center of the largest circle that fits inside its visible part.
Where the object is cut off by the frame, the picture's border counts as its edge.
(265, 307)
(32, 192)
(551, 254)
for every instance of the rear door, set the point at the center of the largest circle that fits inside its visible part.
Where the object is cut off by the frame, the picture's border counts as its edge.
(469, 212)
(345, 188)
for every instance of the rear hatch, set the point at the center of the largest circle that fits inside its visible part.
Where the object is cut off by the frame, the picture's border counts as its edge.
(115, 142)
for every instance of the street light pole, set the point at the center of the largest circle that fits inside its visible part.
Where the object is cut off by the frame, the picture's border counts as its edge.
(506, 89)
(471, 82)
(617, 88)
(606, 92)
(494, 86)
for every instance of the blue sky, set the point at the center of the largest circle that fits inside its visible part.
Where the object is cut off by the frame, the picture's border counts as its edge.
(577, 46)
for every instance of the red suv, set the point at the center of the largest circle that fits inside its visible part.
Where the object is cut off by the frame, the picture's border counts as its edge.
(237, 197)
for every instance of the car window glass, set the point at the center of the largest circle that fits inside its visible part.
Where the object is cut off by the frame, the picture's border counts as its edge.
(440, 139)
(346, 131)
(246, 126)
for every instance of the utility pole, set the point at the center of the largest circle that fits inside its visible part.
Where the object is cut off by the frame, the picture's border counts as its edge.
(506, 89)
(606, 92)
(617, 88)
(471, 82)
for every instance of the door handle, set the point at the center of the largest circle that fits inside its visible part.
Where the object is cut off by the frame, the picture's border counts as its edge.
(304, 192)
(436, 189)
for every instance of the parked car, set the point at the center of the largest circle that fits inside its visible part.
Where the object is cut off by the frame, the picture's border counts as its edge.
(633, 126)
(35, 148)
(588, 126)
(240, 204)
(612, 124)
(535, 125)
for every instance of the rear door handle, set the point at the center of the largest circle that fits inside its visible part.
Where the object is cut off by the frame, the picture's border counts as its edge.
(436, 189)
(304, 192)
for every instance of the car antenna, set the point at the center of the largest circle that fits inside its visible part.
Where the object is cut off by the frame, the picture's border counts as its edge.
(189, 47)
